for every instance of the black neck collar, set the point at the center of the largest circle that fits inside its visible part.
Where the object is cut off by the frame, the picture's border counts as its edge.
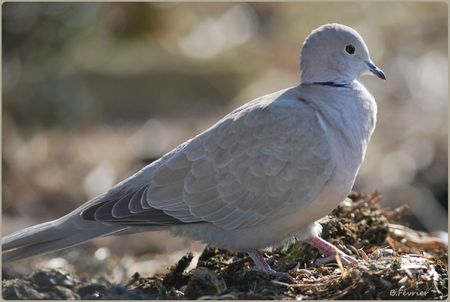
(332, 84)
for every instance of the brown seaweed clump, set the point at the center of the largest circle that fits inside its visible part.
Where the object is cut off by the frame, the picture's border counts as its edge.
(395, 262)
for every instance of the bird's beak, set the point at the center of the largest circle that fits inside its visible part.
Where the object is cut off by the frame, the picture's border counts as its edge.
(375, 70)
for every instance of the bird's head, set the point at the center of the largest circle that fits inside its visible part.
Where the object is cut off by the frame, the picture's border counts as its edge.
(335, 53)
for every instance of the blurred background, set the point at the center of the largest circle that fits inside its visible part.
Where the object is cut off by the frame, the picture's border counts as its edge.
(92, 92)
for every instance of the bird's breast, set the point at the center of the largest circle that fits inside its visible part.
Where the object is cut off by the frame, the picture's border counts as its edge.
(349, 122)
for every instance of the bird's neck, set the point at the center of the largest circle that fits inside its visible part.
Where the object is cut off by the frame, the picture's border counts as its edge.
(333, 84)
(321, 74)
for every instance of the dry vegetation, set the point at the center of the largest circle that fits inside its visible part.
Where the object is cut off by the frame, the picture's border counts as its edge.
(395, 262)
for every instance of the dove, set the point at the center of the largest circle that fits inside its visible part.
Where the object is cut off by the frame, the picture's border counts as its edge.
(265, 172)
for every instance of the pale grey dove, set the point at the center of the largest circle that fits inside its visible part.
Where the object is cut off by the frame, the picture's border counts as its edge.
(265, 172)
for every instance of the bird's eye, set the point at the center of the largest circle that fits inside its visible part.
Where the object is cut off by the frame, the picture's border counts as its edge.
(350, 49)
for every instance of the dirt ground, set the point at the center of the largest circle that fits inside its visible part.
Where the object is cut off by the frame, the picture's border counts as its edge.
(395, 262)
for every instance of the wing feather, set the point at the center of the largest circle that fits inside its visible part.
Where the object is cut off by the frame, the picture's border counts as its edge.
(134, 204)
(262, 161)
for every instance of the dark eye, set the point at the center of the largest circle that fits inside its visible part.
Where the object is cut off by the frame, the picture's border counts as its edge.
(350, 49)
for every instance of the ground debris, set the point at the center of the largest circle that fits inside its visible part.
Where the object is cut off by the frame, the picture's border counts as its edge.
(205, 282)
(395, 262)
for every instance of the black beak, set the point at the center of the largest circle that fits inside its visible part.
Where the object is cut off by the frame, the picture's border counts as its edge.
(375, 70)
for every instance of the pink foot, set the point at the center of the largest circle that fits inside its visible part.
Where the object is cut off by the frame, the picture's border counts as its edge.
(262, 266)
(331, 250)
(345, 259)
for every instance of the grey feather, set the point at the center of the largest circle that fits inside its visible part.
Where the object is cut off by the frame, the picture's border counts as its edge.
(266, 170)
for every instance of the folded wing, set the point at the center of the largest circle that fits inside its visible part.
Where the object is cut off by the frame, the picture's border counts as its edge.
(261, 161)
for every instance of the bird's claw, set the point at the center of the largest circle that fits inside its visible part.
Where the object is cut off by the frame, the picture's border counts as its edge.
(345, 259)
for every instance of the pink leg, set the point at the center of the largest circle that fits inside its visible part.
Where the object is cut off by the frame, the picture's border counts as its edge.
(331, 250)
(262, 266)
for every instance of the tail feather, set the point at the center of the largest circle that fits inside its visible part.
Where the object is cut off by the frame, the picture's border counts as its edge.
(30, 235)
(52, 236)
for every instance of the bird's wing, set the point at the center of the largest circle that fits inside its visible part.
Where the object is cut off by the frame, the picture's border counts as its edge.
(259, 162)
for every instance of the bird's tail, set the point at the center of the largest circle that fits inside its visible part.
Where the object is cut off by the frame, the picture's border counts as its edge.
(54, 235)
